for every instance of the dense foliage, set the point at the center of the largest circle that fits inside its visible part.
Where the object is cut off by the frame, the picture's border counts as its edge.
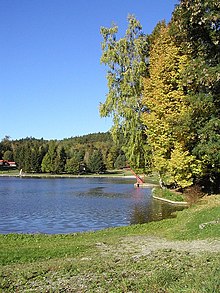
(164, 96)
(127, 61)
(166, 87)
(195, 28)
(89, 153)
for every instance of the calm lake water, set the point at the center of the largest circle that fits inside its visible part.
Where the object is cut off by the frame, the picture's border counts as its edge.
(32, 205)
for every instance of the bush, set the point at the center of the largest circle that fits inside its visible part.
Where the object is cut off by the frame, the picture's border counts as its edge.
(193, 194)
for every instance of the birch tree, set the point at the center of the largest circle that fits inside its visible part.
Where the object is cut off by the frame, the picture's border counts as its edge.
(127, 62)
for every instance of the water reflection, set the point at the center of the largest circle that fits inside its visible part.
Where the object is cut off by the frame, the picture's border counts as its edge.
(153, 211)
(73, 205)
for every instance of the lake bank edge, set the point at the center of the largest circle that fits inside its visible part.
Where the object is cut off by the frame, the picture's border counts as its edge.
(97, 260)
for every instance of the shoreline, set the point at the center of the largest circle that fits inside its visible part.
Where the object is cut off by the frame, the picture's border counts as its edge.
(44, 175)
(171, 201)
(72, 176)
(110, 259)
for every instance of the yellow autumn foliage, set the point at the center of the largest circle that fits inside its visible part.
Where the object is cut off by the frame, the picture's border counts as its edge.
(166, 103)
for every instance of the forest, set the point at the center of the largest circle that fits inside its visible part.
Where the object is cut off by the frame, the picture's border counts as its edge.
(92, 153)
(164, 100)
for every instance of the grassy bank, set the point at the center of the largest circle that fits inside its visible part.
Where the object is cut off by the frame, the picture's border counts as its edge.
(122, 173)
(111, 173)
(174, 255)
(168, 195)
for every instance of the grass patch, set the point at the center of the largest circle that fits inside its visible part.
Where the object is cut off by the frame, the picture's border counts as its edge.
(168, 194)
(162, 271)
(152, 178)
(109, 173)
(105, 261)
(9, 171)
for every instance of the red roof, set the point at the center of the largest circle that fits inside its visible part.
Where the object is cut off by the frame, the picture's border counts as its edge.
(8, 162)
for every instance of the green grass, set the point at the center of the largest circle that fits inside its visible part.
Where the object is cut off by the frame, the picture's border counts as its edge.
(109, 173)
(153, 179)
(162, 271)
(168, 194)
(9, 172)
(105, 261)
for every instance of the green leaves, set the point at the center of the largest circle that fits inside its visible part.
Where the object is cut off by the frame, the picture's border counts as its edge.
(127, 63)
(196, 25)
(55, 159)
(95, 163)
(165, 99)
(182, 95)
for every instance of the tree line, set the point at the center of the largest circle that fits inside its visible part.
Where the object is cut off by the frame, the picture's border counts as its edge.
(164, 95)
(92, 153)
(164, 99)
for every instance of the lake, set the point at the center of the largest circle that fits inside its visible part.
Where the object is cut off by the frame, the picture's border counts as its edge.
(68, 205)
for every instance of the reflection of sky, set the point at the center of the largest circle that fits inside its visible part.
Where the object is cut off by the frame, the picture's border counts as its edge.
(71, 205)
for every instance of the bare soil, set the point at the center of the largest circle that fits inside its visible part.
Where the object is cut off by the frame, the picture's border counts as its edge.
(138, 246)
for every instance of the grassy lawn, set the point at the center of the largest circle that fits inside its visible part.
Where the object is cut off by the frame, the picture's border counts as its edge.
(173, 255)
(9, 172)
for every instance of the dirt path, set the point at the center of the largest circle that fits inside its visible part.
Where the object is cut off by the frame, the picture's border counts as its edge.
(138, 246)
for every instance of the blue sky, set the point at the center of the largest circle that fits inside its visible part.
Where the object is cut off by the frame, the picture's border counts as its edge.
(51, 79)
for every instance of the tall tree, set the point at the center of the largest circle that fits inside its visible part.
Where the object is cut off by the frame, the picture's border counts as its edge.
(127, 61)
(5, 145)
(60, 161)
(111, 157)
(165, 99)
(73, 164)
(8, 155)
(49, 161)
(96, 163)
(121, 161)
(196, 29)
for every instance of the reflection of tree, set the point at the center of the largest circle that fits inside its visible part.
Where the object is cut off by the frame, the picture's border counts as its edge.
(154, 211)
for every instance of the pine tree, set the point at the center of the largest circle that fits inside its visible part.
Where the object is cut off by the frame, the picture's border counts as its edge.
(95, 163)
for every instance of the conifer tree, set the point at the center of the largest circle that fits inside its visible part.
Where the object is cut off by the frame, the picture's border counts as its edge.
(49, 161)
(95, 163)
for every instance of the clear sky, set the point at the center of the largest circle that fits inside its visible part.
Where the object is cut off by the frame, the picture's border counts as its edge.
(51, 79)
